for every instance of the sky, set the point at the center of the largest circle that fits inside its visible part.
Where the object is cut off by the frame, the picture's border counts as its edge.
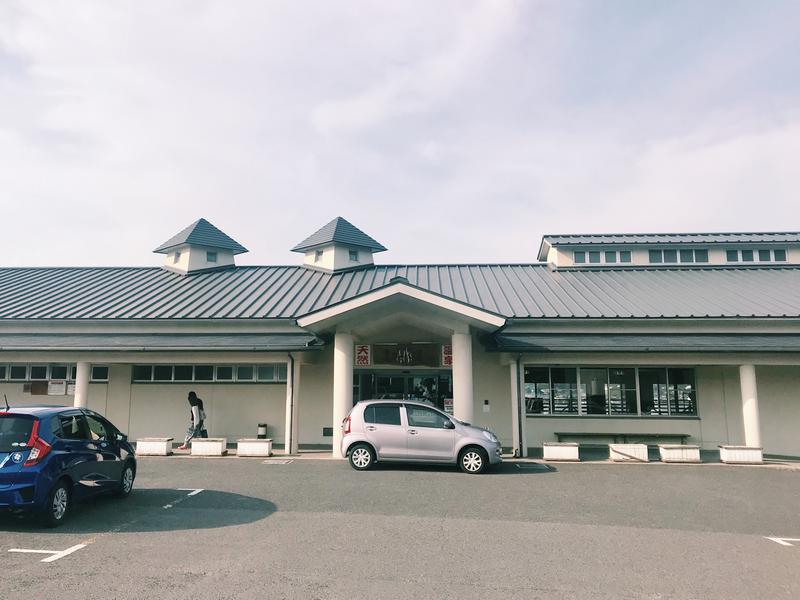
(450, 131)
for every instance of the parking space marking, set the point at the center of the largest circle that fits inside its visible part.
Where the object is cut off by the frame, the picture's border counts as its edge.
(783, 541)
(193, 492)
(54, 554)
(277, 461)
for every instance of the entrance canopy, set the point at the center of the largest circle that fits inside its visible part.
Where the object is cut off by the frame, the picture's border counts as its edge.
(400, 303)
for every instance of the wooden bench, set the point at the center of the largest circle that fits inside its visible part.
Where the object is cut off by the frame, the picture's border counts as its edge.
(622, 438)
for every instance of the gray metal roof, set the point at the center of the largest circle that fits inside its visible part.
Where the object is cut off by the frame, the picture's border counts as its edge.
(606, 342)
(129, 342)
(287, 292)
(674, 238)
(202, 233)
(340, 231)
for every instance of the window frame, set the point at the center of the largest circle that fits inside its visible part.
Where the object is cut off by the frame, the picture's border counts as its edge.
(279, 373)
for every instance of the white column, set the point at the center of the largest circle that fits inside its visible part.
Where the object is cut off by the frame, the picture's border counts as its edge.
(462, 377)
(82, 384)
(518, 410)
(343, 351)
(292, 425)
(752, 425)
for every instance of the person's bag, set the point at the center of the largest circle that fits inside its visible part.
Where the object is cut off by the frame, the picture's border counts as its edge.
(203, 433)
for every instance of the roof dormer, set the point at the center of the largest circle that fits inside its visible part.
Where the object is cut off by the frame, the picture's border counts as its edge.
(338, 246)
(199, 247)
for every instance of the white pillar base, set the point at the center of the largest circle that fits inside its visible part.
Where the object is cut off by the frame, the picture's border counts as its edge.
(462, 377)
(343, 354)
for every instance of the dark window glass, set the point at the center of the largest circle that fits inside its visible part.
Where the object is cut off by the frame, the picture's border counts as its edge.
(282, 372)
(611, 257)
(732, 255)
(245, 373)
(142, 372)
(622, 391)
(55, 426)
(625, 256)
(780, 255)
(579, 257)
(99, 373)
(38, 372)
(382, 414)
(224, 373)
(203, 373)
(73, 427)
(682, 398)
(653, 391)
(670, 256)
(701, 256)
(211, 257)
(747, 256)
(2, 372)
(73, 373)
(354, 255)
(656, 256)
(593, 391)
(565, 390)
(764, 255)
(97, 429)
(266, 372)
(14, 430)
(162, 373)
(57, 372)
(594, 257)
(18, 372)
(687, 256)
(419, 416)
(184, 372)
(537, 391)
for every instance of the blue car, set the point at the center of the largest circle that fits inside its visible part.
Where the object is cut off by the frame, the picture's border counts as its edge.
(52, 456)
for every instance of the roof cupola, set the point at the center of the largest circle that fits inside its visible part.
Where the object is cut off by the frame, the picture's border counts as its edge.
(199, 247)
(338, 246)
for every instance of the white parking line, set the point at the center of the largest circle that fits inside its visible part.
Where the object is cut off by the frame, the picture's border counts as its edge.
(54, 554)
(783, 541)
(193, 492)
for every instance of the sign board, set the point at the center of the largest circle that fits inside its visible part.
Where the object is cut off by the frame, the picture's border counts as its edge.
(56, 387)
(420, 354)
(447, 355)
(448, 406)
(70, 389)
(363, 355)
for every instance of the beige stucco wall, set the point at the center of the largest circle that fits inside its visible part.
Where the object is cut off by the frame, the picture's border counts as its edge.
(779, 405)
(491, 381)
(315, 410)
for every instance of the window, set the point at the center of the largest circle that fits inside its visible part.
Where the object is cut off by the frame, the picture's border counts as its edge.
(211, 257)
(611, 391)
(245, 373)
(97, 429)
(747, 256)
(18, 372)
(656, 257)
(38, 372)
(224, 373)
(594, 257)
(732, 255)
(266, 372)
(353, 255)
(184, 373)
(281, 372)
(99, 373)
(317, 256)
(670, 256)
(419, 416)
(14, 430)
(204, 373)
(624, 256)
(701, 256)
(73, 427)
(382, 414)
(142, 373)
(764, 255)
(611, 256)
(162, 373)
(687, 256)
(579, 257)
(57, 372)
(780, 255)
(176, 257)
(2, 372)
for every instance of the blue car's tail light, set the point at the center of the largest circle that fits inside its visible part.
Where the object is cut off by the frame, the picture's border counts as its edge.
(39, 448)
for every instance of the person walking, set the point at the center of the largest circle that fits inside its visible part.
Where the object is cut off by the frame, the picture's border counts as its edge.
(196, 425)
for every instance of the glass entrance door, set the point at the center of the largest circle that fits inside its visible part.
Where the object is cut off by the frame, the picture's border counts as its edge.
(426, 386)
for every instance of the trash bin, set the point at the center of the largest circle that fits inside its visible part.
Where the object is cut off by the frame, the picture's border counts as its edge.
(262, 431)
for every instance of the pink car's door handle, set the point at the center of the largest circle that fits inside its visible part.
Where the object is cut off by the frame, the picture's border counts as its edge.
(370, 428)
(412, 432)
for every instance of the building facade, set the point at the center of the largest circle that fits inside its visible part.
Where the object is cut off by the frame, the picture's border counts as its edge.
(690, 336)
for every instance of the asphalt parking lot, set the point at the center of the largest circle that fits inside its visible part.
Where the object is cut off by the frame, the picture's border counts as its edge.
(317, 529)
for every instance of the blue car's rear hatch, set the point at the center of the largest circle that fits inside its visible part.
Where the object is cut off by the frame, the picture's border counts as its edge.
(15, 436)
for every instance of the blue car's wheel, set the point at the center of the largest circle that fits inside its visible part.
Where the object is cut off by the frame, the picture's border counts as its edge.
(58, 505)
(125, 486)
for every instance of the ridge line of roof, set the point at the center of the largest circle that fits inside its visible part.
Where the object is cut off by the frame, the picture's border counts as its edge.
(672, 233)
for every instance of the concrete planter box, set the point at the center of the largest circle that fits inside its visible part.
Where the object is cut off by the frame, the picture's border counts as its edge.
(675, 453)
(560, 451)
(254, 447)
(152, 446)
(209, 446)
(741, 454)
(628, 452)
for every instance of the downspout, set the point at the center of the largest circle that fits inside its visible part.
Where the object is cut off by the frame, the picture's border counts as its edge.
(290, 382)
(518, 451)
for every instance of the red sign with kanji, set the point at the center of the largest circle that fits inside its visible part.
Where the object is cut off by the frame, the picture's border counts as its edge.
(447, 355)
(363, 355)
